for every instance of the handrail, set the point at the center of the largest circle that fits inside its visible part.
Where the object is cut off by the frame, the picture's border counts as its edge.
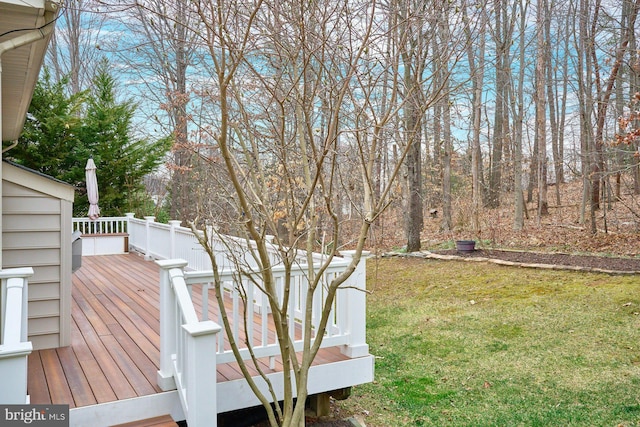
(107, 225)
(187, 353)
(257, 308)
(170, 241)
(14, 344)
(346, 326)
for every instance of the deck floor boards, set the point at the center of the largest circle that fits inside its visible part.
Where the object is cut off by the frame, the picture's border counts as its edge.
(36, 380)
(59, 390)
(114, 352)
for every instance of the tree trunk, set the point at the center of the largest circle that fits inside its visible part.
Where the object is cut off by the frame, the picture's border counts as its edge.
(552, 100)
(414, 181)
(585, 98)
(620, 151)
(533, 168)
(563, 99)
(414, 51)
(182, 201)
(540, 100)
(520, 208)
(502, 52)
(477, 73)
(447, 221)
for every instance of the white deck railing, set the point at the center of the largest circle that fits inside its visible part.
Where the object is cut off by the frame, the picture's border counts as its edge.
(172, 241)
(187, 355)
(346, 326)
(191, 347)
(265, 344)
(109, 225)
(14, 346)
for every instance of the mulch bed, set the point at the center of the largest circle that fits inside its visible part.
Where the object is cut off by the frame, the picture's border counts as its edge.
(559, 259)
(318, 423)
(330, 423)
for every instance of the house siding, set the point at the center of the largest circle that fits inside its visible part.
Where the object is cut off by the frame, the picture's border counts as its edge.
(36, 232)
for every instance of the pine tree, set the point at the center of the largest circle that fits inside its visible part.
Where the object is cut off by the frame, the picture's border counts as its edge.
(50, 140)
(122, 159)
(63, 131)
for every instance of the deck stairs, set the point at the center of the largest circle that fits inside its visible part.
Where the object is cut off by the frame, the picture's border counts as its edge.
(162, 421)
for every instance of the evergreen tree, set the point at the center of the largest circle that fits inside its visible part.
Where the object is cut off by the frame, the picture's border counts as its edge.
(63, 131)
(122, 159)
(50, 141)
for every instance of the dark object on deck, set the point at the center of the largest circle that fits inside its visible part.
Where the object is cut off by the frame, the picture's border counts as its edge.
(465, 245)
(76, 251)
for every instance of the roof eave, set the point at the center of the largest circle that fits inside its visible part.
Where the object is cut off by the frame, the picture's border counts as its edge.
(21, 66)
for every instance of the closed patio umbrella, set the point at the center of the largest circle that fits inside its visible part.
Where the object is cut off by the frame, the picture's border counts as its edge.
(92, 189)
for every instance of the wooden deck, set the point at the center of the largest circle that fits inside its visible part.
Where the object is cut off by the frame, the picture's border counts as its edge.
(114, 354)
(165, 421)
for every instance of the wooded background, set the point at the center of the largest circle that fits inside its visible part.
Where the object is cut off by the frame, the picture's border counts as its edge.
(481, 106)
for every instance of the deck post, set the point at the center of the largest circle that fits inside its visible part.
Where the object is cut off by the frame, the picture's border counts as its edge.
(202, 410)
(356, 301)
(174, 224)
(13, 371)
(129, 216)
(168, 320)
(14, 347)
(147, 244)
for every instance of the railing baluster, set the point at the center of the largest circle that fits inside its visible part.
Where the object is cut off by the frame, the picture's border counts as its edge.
(205, 301)
(249, 309)
(187, 348)
(264, 313)
(221, 335)
(235, 314)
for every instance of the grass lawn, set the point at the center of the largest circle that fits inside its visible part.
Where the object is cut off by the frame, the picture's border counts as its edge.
(473, 344)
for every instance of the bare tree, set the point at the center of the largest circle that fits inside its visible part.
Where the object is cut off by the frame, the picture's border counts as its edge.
(585, 97)
(426, 77)
(551, 100)
(285, 115)
(541, 103)
(502, 37)
(445, 103)
(634, 88)
(74, 50)
(413, 41)
(476, 49)
(518, 114)
(299, 101)
(604, 93)
(159, 51)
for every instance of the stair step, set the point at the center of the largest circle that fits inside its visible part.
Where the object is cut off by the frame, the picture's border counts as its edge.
(162, 421)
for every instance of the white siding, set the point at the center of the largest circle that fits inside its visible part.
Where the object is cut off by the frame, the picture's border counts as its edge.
(31, 240)
(35, 222)
(44, 291)
(36, 230)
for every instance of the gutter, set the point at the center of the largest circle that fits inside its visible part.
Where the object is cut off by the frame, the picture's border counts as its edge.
(30, 36)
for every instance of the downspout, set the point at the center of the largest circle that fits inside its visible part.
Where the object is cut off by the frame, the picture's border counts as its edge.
(14, 143)
(28, 37)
